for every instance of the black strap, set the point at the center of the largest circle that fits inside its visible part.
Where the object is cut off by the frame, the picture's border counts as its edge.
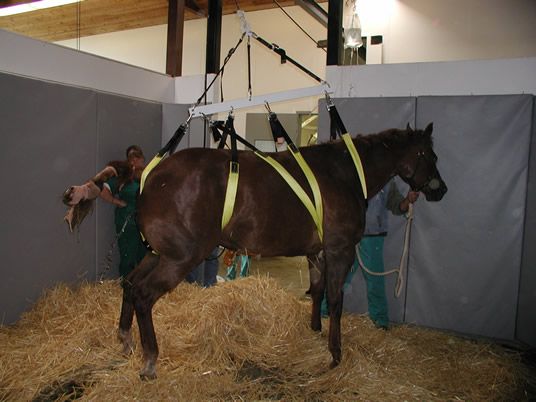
(249, 68)
(215, 132)
(336, 126)
(227, 58)
(284, 57)
(173, 141)
(229, 127)
(278, 131)
(229, 130)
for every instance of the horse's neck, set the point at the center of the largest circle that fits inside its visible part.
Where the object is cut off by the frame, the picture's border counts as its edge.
(379, 165)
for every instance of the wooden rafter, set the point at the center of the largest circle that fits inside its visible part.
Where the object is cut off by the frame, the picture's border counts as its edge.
(103, 16)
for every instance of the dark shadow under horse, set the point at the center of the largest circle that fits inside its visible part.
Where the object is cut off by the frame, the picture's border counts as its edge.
(180, 213)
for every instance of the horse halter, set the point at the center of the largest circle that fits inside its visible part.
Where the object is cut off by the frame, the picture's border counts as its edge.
(432, 182)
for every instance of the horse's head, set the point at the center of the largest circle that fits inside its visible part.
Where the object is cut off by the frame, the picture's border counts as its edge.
(418, 165)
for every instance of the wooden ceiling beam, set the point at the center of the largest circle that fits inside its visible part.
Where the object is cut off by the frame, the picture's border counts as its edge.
(175, 35)
(103, 16)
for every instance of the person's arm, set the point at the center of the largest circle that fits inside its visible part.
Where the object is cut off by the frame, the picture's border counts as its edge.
(107, 196)
(397, 203)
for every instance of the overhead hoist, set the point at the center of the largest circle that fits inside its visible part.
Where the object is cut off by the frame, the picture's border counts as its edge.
(222, 130)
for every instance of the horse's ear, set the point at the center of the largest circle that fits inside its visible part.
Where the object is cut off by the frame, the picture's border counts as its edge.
(408, 127)
(429, 128)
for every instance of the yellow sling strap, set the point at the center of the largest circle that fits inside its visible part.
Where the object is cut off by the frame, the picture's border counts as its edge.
(298, 190)
(357, 161)
(150, 166)
(230, 194)
(314, 187)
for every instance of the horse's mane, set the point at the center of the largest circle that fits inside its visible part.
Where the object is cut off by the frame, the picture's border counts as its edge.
(390, 138)
(393, 138)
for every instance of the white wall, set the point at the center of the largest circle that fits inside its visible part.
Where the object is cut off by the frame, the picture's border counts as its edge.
(472, 77)
(32, 58)
(413, 31)
(444, 30)
(268, 74)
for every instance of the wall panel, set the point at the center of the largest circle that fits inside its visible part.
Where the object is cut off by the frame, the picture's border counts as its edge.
(49, 142)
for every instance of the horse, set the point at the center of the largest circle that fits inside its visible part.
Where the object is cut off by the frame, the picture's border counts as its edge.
(180, 213)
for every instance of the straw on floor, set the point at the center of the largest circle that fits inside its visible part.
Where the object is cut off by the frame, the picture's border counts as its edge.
(242, 340)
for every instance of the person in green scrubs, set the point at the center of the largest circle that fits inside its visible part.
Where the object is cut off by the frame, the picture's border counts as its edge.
(123, 193)
(370, 249)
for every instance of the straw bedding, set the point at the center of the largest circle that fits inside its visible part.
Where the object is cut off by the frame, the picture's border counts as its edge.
(242, 340)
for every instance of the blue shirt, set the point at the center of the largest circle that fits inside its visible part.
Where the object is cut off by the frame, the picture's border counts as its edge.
(377, 220)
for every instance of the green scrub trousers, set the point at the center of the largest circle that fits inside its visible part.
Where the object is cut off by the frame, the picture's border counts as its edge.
(131, 247)
(371, 252)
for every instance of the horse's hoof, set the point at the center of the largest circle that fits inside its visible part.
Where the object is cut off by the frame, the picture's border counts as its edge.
(148, 372)
(125, 337)
(127, 350)
(334, 363)
(316, 326)
(147, 376)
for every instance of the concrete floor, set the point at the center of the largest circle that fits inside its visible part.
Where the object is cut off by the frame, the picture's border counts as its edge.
(291, 272)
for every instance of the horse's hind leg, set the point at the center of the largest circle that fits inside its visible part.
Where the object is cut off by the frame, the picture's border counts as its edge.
(162, 279)
(317, 285)
(337, 266)
(127, 307)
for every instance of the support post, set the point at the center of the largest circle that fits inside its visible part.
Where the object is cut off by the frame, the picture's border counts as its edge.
(175, 34)
(335, 9)
(212, 65)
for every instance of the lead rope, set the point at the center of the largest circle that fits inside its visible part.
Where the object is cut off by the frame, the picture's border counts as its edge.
(109, 255)
(403, 259)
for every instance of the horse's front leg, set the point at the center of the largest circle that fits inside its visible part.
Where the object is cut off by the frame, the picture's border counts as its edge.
(338, 264)
(127, 307)
(317, 285)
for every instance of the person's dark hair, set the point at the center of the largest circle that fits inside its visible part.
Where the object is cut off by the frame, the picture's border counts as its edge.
(134, 151)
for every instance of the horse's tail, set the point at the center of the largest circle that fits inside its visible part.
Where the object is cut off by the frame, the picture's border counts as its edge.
(81, 199)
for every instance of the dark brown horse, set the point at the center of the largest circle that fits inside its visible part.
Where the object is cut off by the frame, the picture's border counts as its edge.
(180, 212)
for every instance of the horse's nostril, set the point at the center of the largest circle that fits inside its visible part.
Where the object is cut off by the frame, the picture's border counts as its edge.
(434, 184)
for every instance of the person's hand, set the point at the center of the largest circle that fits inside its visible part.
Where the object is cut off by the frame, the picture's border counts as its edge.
(410, 199)
(412, 196)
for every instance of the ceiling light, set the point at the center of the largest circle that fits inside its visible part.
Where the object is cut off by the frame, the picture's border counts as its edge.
(36, 5)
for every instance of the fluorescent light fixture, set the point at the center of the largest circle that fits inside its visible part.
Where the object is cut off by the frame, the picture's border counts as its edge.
(36, 5)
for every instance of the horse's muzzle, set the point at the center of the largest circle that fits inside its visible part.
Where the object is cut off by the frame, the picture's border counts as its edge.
(435, 190)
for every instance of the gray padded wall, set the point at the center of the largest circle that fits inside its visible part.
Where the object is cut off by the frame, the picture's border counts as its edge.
(366, 116)
(49, 142)
(56, 136)
(121, 122)
(526, 316)
(466, 250)
(465, 253)
(258, 126)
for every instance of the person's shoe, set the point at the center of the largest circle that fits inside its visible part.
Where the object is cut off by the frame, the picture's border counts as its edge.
(381, 325)
(384, 327)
